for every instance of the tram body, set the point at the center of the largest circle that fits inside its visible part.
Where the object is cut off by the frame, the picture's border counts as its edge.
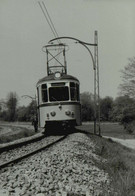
(58, 101)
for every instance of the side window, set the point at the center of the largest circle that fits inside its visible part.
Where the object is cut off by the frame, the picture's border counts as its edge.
(77, 92)
(44, 93)
(73, 91)
(38, 94)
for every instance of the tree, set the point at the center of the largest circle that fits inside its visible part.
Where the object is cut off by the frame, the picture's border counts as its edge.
(128, 115)
(106, 106)
(122, 108)
(22, 113)
(87, 103)
(31, 110)
(2, 109)
(12, 100)
(128, 76)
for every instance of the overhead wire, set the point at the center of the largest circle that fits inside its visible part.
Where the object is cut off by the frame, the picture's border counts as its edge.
(48, 19)
(51, 25)
(56, 34)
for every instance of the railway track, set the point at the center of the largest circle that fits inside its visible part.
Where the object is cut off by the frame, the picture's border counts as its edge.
(63, 166)
(11, 156)
(21, 142)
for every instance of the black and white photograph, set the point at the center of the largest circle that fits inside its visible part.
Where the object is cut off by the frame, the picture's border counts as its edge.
(67, 98)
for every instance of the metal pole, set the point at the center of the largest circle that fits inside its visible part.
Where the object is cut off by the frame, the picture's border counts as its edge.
(99, 128)
(65, 63)
(95, 88)
(95, 101)
(97, 84)
(47, 62)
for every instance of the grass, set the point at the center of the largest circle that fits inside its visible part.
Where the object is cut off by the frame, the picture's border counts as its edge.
(120, 160)
(120, 165)
(109, 129)
(14, 133)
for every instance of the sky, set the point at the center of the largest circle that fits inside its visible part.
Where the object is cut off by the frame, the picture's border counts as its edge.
(24, 30)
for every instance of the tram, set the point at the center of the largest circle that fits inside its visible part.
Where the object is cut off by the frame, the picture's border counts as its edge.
(58, 94)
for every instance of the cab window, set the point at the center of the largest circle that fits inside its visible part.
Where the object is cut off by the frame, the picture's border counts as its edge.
(58, 94)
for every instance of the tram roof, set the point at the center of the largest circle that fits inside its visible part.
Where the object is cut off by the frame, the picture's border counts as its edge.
(52, 77)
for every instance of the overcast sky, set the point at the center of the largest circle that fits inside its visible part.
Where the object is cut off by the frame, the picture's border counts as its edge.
(24, 30)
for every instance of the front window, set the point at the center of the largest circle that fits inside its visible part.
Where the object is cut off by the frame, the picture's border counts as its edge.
(59, 93)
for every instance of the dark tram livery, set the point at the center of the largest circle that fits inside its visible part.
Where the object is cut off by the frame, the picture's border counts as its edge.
(58, 96)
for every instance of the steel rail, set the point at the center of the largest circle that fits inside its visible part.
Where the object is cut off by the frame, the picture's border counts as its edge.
(20, 144)
(16, 160)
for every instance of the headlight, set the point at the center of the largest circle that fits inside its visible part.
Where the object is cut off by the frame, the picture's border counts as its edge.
(67, 112)
(57, 75)
(53, 113)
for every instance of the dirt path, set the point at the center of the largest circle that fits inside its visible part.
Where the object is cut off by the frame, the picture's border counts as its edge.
(130, 143)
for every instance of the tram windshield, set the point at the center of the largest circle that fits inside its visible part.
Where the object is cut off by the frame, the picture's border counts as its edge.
(58, 93)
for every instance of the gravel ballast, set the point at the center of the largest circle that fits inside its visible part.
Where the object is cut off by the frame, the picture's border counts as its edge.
(67, 168)
(20, 151)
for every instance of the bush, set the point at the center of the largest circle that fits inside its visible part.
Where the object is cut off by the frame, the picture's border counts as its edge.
(128, 119)
(130, 127)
